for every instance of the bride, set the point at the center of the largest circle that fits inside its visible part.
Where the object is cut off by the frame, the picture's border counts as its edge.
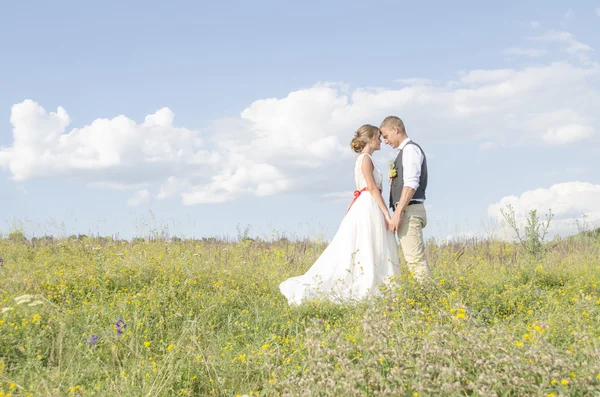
(363, 253)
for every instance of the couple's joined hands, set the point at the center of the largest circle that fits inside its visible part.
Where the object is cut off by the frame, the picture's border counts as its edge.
(393, 223)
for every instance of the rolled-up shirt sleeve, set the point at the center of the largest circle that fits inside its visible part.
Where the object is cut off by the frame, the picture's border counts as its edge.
(412, 158)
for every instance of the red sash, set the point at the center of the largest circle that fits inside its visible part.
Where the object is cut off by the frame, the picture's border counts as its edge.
(356, 194)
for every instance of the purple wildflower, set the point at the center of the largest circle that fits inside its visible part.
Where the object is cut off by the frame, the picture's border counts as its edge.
(93, 340)
(120, 326)
(1, 262)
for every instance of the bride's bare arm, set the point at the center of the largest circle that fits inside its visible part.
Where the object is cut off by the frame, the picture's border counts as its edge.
(367, 170)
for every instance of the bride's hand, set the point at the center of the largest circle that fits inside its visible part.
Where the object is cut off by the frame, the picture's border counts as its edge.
(388, 221)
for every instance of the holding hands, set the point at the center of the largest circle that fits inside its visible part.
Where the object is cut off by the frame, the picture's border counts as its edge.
(393, 223)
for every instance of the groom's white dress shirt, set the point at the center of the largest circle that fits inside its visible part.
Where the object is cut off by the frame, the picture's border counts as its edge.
(412, 159)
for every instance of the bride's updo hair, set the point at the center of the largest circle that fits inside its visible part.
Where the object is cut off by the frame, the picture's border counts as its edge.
(362, 136)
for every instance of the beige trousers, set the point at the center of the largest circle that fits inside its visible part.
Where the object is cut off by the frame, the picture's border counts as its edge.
(410, 234)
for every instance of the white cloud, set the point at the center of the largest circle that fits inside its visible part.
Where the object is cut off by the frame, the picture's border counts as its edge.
(568, 134)
(246, 178)
(567, 18)
(116, 186)
(561, 127)
(554, 41)
(140, 197)
(170, 187)
(567, 201)
(535, 24)
(300, 142)
(488, 76)
(416, 81)
(462, 237)
(119, 147)
(598, 11)
(570, 14)
(569, 43)
(340, 197)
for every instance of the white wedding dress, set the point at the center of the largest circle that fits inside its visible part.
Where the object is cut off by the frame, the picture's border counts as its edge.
(361, 256)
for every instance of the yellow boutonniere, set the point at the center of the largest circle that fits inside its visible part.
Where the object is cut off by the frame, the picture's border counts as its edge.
(392, 172)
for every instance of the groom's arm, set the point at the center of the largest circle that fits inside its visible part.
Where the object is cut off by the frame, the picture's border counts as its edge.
(398, 217)
(407, 195)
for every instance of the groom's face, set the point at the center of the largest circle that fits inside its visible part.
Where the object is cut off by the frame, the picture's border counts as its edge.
(391, 136)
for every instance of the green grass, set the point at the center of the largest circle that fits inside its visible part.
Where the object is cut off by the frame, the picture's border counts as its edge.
(206, 318)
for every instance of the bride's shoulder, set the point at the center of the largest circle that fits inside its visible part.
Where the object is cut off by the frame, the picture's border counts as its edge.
(361, 157)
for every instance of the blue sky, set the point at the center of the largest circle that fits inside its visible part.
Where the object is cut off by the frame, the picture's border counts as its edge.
(252, 105)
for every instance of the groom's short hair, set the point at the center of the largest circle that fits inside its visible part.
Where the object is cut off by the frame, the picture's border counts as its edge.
(392, 121)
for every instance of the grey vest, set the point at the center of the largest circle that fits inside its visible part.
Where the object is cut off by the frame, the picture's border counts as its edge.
(398, 181)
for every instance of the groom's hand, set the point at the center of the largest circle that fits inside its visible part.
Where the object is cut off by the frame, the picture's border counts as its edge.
(396, 220)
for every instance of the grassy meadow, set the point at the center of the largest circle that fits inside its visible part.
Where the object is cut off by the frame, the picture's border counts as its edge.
(97, 317)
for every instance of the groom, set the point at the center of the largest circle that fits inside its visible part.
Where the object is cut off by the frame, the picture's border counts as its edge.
(407, 195)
